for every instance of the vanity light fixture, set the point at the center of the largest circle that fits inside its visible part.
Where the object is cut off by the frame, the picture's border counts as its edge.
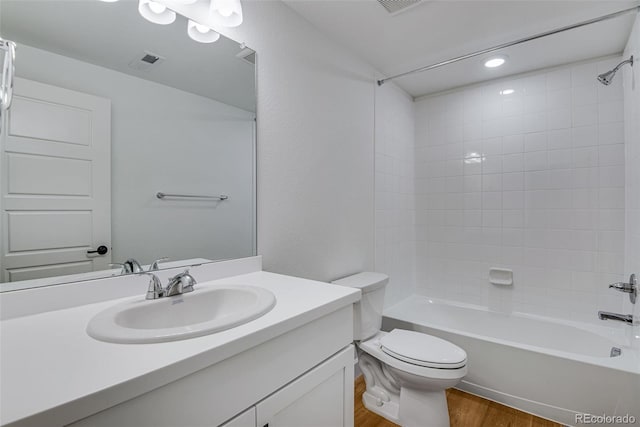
(201, 33)
(495, 62)
(227, 13)
(156, 12)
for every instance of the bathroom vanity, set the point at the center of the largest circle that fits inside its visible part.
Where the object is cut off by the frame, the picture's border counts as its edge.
(291, 366)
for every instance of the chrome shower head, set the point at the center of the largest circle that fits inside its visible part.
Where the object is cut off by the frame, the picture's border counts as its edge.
(607, 78)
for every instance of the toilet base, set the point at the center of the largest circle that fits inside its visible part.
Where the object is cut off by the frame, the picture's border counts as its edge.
(421, 408)
(388, 409)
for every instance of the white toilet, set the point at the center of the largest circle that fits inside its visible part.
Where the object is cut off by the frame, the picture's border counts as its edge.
(406, 372)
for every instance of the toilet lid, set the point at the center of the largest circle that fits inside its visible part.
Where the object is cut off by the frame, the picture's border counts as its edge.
(423, 350)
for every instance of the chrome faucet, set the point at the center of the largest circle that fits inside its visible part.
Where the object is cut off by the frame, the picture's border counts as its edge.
(178, 285)
(155, 290)
(630, 288)
(606, 315)
(132, 266)
(128, 267)
(154, 265)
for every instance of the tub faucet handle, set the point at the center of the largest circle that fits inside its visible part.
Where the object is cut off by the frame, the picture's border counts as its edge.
(630, 288)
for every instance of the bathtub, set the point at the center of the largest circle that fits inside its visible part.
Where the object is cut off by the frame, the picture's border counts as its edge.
(556, 370)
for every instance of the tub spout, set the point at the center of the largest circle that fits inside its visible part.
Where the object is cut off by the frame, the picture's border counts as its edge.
(606, 315)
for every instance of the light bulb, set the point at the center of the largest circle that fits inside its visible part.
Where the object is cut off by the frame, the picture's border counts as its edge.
(226, 12)
(201, 33)
(202, 29)
(156, 12)
(157, 7)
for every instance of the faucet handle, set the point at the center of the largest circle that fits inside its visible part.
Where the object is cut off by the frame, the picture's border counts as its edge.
(189, 281)
(622, 287)
(184, 280)
(123, 269)
(154, 265)
(155, 289)
(630, 288)
(133, 266)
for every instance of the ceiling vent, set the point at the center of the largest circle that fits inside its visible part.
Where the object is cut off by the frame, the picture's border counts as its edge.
(397, 6)
(145, 61)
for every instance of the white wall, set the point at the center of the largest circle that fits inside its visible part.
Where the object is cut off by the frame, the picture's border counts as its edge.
(394, 183)
(532, 181)
(315, 146)
(164, 139)
(631, 83)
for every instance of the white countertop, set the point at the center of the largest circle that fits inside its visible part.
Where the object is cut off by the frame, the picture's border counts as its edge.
(52, 370)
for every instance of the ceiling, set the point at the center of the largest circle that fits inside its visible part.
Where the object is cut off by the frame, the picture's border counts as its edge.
(111, 35)
(435, 31)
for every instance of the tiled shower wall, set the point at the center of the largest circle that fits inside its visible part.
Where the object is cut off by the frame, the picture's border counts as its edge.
(395, 235)
(524, 173)
(631, 83)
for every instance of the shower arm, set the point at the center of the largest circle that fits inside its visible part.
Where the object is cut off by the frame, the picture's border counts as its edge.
(626, 61)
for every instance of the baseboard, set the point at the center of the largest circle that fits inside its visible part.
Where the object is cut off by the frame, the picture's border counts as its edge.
(542, 410)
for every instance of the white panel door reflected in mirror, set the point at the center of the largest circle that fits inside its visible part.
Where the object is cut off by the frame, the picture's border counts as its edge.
(96, 131)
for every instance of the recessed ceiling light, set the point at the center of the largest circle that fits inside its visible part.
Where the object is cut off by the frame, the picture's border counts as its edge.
(506, 91)
(495, 61)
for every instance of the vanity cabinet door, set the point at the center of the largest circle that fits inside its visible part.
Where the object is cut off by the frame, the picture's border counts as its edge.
(245, 419)
(323, 397)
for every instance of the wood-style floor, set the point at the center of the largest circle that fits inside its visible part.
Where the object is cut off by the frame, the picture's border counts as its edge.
(465, 410)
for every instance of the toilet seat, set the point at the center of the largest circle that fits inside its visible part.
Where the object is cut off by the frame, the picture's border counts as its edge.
(423, 350)
(373, 347)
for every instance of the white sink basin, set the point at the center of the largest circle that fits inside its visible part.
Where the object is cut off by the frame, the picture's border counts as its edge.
(204, 311)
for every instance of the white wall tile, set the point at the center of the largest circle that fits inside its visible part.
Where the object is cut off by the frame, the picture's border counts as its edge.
(559, 79)
(558, 139)
(559, 119)
(512, 163)
(535, 161)
(399, 151)
(560, 159)
(540, 190)
(585, 115)
(535, 141)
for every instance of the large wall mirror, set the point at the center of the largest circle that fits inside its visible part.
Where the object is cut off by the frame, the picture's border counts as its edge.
(109, 110)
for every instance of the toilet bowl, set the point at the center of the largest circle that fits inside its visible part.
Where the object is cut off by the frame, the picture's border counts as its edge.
(406, 372)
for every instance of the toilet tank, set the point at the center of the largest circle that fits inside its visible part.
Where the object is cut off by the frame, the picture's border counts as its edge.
(367, 313)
